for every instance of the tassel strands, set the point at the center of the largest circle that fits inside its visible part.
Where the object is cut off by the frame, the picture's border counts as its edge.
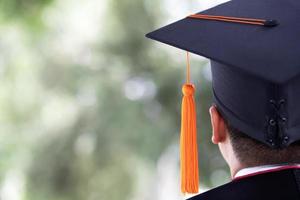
(188, 138)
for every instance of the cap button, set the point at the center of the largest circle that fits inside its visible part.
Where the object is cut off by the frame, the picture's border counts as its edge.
(271, 23)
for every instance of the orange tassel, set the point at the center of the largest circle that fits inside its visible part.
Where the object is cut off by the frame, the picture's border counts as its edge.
(188, 139)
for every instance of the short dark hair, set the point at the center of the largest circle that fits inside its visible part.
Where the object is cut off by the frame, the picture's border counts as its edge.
(251, 152)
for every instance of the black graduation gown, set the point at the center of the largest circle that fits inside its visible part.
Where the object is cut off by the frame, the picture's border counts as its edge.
(275, 185)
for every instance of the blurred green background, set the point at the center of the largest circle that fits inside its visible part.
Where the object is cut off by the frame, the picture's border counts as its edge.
(90, 108)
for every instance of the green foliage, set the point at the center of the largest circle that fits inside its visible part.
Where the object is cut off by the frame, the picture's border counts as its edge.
(29, 12)
(90, 117)
(22, 8)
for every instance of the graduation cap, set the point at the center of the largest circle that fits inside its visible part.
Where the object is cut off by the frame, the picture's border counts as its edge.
(254, 51)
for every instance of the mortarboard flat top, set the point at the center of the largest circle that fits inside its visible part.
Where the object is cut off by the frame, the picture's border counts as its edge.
(256, 69)
(255, 49)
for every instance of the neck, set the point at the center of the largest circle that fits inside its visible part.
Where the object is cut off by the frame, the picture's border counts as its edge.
(235, 168)
(234, 164)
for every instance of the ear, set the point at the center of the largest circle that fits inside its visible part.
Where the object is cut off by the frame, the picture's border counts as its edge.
(218, 126)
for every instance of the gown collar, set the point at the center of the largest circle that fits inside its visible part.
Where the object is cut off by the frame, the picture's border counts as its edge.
(252, 171)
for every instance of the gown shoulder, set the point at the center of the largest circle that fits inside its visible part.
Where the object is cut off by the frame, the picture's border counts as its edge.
(278, 185)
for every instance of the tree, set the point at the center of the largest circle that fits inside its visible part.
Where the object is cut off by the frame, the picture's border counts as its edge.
(98, 112)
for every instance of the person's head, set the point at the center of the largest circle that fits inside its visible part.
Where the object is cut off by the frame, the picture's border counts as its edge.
(239, 150)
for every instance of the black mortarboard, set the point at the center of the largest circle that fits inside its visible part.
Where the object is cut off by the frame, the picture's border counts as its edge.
(254, 47)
